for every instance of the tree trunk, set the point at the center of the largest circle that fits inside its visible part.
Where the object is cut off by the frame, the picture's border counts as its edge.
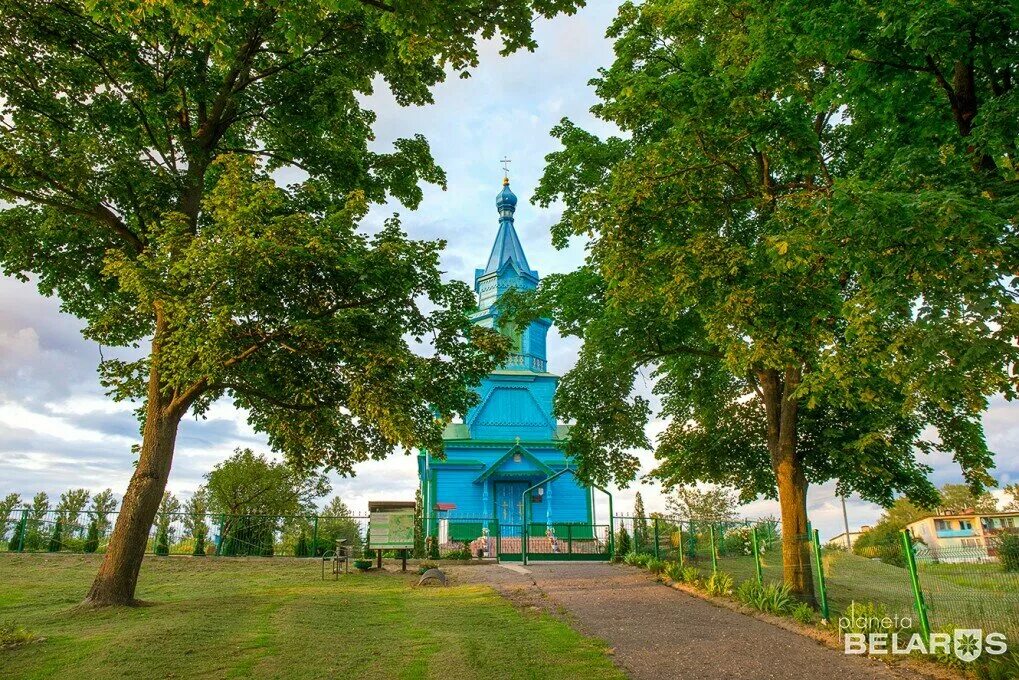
(115, 583)
(782, 409)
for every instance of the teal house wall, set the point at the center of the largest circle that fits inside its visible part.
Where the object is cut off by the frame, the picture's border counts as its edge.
(509, 440)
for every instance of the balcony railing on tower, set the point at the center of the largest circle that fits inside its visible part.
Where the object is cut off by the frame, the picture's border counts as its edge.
(527, 362)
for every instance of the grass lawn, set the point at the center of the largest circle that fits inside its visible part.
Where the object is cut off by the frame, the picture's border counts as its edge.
(272, 618)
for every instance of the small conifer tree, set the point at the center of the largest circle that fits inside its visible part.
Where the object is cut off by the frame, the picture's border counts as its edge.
(57, 539)
(622, 542)
(92, 537)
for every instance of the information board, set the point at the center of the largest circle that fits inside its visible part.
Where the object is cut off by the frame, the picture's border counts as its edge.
(391, 526)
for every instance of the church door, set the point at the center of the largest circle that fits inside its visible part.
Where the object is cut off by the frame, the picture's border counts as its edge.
(509, 509)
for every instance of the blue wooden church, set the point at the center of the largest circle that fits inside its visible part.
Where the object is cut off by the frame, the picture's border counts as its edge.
(508, 441)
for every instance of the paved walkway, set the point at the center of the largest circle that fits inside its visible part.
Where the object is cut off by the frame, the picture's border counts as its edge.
(660, 632)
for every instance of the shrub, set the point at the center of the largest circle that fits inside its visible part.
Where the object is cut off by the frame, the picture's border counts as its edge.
(1008, 552)
(738, 541)
(691, 575)
(425, 566)
(674, 570)
(998, 668)
(803, 613)
(301, 548)
(461, 552)
(718, 584)
(655, 565)
(12, 635)
(746, 592)
(432, 547)
(18, 538)
(162, 543)
(56, 540)
(622, 541)
(199, 550)
(92, 538)
(362, 565)
(637, 559)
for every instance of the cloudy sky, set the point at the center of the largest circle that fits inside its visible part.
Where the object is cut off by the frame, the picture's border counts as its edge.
(57, 430)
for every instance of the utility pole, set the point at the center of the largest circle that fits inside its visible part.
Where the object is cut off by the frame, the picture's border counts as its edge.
(845, 520)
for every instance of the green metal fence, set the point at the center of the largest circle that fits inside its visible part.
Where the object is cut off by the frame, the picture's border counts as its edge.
(927, 590)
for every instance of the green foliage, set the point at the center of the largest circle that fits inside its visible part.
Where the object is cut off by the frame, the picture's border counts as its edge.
(57, 538)
(691, 575)
(249, 483)
(637, 559)
(363, 565)
(1005, 667)
(622, 546)
(72, 503)
(301, 548)
(425, 566)
(674, 571)
(336, 523)
(716, 504)
(793, 215)
(9, 514)
(17, 542)
(35, 538)
(461, 552)
(1012, 492)
(103, 503)
(91, 538)
(1008, 551)
(12, 635)
(641, 534)
(769, 598)
(168, 507)
(419, 525)
(655, 565)
(432, 546)
(960, 498)
(130, 190)
(718, 584)
(803, 613)
(195, 510)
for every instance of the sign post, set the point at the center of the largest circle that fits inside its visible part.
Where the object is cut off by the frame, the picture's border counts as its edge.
(391, 527)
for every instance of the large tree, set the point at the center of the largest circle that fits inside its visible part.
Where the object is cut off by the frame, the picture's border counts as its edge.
(122, 123)
(806, 236)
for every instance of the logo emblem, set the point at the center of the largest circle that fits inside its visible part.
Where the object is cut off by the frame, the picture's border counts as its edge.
(968, 643)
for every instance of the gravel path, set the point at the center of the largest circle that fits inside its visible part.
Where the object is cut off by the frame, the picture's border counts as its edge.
(660, 632)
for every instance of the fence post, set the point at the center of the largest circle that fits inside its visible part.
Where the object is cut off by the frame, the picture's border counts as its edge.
(24, 528)
(914, 579)
(821, 588)
(757, 555)
(657, 556)
(569, 538)
(612, 532)
(314, 539)
(682, 560)
(219, 537)
(714, 554)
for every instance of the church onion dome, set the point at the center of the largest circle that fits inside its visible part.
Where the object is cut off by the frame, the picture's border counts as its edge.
(506, 201)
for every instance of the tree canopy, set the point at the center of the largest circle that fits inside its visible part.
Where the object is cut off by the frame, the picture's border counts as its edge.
(252, 484)
(137, 144)
(806, 236)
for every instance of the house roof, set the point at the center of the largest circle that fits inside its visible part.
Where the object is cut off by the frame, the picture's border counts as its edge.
(966, 515)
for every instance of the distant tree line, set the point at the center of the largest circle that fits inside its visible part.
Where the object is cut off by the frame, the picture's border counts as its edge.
(254, 505)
